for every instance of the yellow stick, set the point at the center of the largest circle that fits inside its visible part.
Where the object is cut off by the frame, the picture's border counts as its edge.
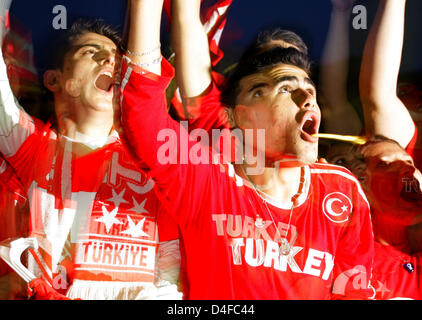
(351, 139)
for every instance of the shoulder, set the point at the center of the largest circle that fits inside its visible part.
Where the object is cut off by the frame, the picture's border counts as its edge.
(330, 171)
(337, 178)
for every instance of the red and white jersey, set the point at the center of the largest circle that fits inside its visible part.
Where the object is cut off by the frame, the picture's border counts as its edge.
(93, 212)
(231, 243)
(396, 275)
(414, 147)
(14, 224)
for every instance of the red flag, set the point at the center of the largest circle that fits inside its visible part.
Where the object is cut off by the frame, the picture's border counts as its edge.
(215, 21)
(214, 18)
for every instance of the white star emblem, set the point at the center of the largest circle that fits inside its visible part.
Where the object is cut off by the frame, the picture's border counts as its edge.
(382, 288)
(136, 230)
(139, 208)
(117, 199)
(109, 218)
(344, 208)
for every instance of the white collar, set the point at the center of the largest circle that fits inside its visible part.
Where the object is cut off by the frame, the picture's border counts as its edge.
(93, 142)
(276, 202)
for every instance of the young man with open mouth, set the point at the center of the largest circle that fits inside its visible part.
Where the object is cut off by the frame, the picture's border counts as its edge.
(295, 230)
(93, 212)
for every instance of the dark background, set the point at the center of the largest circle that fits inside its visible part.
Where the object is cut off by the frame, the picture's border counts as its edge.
(246, 17)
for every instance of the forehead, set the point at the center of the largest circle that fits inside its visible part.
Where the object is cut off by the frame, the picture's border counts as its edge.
(339, 149)
(95, 39)
(276, 74)
(382, 149)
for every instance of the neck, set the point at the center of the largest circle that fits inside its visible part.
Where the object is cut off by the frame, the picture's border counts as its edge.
(96, 125)
(279, 183)
(87, 121)
(388, 233)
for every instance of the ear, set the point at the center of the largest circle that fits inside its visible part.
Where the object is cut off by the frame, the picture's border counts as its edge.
(230, 117)
(51, 80)
(239, 117)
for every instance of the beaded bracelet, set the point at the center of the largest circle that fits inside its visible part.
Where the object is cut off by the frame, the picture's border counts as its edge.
(148, 64)
(141, 54)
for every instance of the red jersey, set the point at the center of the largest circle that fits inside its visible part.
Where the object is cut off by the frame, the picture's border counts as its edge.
(414, 149)
(93, 212)
(391, 279)
(231, 243)
(396, 275)
(14, 223)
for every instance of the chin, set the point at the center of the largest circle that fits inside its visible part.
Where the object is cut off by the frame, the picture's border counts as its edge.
(308, 157)
(291, 160)
(103, 105)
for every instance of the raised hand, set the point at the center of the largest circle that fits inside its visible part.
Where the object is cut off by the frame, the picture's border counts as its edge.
(342, 5)
(4, 7)
(340, 115)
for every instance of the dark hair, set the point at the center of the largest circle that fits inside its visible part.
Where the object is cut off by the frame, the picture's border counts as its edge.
(275, 34)
(252, 64)
(377, 139)
(78, 29)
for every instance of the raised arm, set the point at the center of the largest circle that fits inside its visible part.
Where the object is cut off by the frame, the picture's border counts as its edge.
(190, 43)
(145, 77)
(15, 124)
(152, 137)
(339, 114)
(384, 113)
(143, 46)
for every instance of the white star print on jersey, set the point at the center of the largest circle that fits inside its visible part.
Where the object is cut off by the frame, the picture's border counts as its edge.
(117, 198)
(136, 230)
(139, 208)
(109, 218)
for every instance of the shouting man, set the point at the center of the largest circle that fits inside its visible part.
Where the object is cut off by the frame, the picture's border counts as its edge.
(292, 229)
(92, 211)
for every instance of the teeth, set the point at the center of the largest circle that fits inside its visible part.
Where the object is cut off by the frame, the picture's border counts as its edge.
(108, 74)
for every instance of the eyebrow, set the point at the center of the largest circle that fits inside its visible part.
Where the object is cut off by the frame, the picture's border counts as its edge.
(258, 85)
(282, 79)
(295, 79)
(94, 45)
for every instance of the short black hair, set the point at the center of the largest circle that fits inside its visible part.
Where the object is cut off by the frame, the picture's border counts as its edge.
(256, 63)
(275, 34)
(80, 27)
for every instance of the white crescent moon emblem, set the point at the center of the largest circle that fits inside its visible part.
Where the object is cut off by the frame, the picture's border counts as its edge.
(345, 203)
(329, 207)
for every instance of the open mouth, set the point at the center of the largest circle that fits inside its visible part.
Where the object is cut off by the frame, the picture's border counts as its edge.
(104, 82)
(361, 178)
(309, 127)
(411, 192)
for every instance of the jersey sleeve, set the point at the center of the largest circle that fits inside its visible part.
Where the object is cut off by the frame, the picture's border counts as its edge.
(15, 124)
(204, 111)
(354, 260)
(411, 146)
(155, 139)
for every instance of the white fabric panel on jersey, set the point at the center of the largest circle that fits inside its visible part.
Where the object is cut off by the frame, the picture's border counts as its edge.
(92, 290)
